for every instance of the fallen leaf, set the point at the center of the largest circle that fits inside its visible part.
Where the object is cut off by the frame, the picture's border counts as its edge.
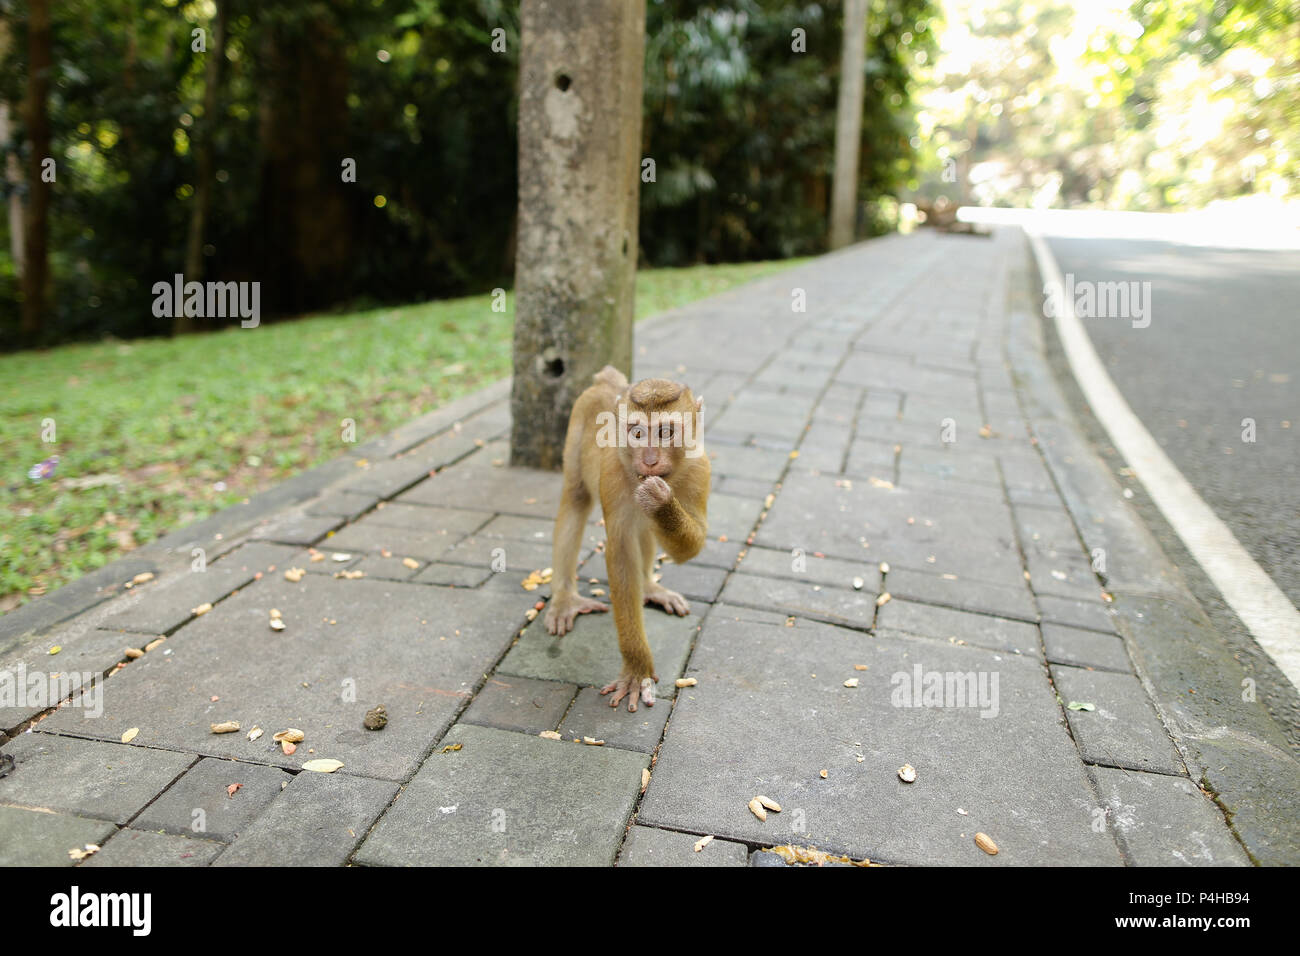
(56, 648)
(1077, 705)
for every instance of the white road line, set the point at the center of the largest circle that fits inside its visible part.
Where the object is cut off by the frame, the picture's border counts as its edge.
(1267, 613)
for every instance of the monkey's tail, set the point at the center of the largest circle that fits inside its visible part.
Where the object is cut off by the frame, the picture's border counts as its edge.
(610, 376)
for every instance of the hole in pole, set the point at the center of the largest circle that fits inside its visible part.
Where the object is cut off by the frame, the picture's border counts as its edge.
(562, 82)
(554, 368)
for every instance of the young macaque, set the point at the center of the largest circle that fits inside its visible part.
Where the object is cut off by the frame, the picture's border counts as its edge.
(638, 449)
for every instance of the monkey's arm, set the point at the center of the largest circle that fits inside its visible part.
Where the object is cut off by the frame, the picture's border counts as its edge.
(679, 515)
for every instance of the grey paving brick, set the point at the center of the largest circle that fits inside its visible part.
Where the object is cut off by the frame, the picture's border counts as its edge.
(453, 575)
(300, 529)
(519, 557)
(89, 778)
(418, 651)
(199, 804)
(838, 604)
(1091, 614)
(943, 623)
(520, 703)
(343, 504)
(1123, 729)
(563, 804)
(695, 581)
(754, 672)
(965, 593)
(591, 716)
(1070, 645)
(317, 821)
(392, 568)
(135, 847)
(41, 838)
(480, 487)
(426, 519)
(650, 846)
(1165, 821)
(162, 607)
(588, 655)
(746, 462)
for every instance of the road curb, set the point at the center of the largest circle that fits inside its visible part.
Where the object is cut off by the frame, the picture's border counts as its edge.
(1204, 696)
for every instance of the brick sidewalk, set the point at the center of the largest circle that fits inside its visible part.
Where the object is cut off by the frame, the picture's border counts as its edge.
(881, 435)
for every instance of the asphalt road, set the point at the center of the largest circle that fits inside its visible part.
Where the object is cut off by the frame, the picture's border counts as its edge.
(1223, 345)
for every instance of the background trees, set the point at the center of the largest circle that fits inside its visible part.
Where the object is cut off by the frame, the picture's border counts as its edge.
(222, 153)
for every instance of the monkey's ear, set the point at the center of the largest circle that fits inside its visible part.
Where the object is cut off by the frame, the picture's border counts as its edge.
(699, 404)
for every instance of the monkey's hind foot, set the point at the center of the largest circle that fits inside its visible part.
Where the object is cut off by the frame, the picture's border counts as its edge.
(670, 601)
(562, 610)
(633, 689)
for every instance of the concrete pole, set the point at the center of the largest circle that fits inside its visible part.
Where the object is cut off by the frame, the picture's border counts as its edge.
(848, 125)
(580, 70)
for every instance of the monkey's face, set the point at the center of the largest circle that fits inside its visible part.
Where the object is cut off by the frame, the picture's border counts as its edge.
(654, 442)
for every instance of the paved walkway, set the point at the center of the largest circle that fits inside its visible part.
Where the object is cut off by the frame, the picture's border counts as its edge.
(903, 533)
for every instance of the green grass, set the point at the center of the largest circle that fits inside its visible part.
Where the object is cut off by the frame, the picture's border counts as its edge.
(156, 433)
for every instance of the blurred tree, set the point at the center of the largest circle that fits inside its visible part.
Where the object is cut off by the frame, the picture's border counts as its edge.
(848, 125)
(36, 118)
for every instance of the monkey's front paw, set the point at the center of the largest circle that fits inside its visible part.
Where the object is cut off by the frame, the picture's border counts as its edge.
(653, 493)
(633, 688)
(562, 610)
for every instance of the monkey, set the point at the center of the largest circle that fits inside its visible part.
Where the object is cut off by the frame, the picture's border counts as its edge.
(638, 449)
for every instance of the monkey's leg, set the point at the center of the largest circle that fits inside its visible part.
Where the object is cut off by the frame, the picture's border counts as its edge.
(655, 593)
(566, 603)
(626, 575)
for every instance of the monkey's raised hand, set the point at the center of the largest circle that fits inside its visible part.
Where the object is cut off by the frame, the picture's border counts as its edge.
(652, 494)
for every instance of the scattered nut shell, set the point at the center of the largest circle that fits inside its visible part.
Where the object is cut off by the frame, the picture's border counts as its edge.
(823, 774)
(156, 642)
(701, 843)
(293, 735)
(851, 682)
(645, 779)
(225, 727)
(294, 575)
(322, 765)
(130, 735)
(134, 653)
(142, 577)
(340, 556)
(202, 609)
(686, 682)
(907, 773)
(985, 843)
(883, 599)
(757, 810)
(255, 733)
(275, 614)
(411, 563)
(549, 735)
(769, 803)
(277, 624)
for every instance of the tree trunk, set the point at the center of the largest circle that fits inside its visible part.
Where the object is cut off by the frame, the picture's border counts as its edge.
(203, 160)
(848, 125)
(581, 65)
(37, 118)
(13, 170)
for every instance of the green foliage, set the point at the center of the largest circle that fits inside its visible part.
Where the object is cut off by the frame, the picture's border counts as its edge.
(156, 433)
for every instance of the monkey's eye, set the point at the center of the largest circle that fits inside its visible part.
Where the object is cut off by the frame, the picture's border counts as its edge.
(666, 433)
(636, 433)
